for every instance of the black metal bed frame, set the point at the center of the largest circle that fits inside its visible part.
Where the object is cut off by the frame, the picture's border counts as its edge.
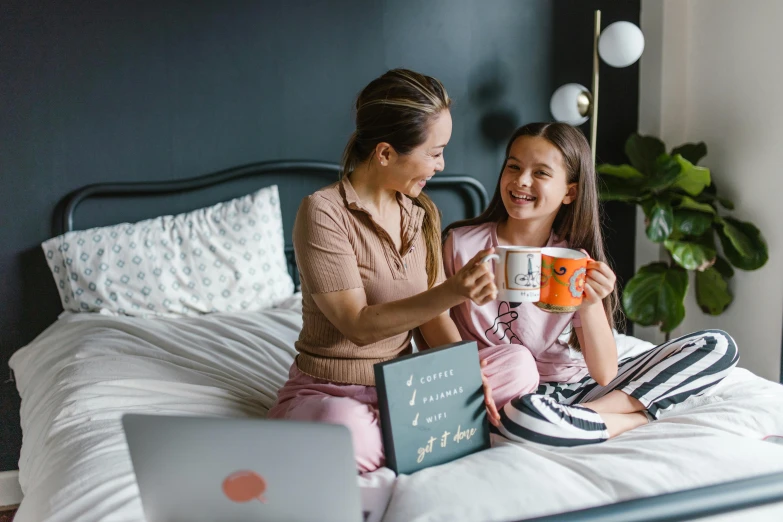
(473, 193)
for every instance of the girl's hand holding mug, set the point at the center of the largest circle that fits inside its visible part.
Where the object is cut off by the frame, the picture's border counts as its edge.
(599, 282)
(476, 280)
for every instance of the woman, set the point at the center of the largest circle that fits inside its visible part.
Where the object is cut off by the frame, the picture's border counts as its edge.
(368, 252)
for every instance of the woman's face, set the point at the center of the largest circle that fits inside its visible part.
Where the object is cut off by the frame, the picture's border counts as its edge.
(409, 173)
(534, 182)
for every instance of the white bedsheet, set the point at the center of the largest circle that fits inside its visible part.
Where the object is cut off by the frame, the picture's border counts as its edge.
(707, 440)
(78, 377)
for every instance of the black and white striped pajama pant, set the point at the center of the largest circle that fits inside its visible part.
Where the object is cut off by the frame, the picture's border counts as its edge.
(659, 378)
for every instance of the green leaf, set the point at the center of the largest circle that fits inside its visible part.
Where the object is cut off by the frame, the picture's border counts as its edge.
(726, 203)
(647, 205)
(665, 173)
(691, 222)
(619, 171)
(692, 152)
(742, 243)
(723, 266)
(619, 189)
(710, 195)
(712, 292)
(661, 222)
(656, 295)
(693, 255)
(643, 151)
(692, 204)
(692, 179)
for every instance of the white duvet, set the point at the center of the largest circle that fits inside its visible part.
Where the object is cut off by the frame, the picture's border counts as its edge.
(79, 376)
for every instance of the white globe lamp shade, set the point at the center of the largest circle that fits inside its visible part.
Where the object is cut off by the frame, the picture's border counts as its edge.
(621, 44)
(570, 104)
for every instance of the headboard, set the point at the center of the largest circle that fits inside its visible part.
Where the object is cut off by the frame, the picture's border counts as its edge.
(103, 204)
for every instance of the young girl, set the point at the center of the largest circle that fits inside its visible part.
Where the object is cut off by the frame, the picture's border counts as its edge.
(547, 196)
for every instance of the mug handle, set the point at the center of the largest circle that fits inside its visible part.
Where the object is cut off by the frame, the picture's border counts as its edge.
(490, 257)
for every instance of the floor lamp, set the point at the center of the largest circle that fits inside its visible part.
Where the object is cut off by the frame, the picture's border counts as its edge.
(619, 45)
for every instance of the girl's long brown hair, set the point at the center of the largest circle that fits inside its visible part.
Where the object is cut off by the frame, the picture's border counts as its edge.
(398, 108)
(579, 223)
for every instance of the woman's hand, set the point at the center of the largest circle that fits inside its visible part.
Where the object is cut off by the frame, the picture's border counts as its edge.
(475, 281)
(599, 282)
(492, 411)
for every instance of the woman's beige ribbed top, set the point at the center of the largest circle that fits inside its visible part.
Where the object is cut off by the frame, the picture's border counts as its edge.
(339, 247)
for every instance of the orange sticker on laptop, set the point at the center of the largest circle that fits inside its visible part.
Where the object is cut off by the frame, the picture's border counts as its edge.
(244, 486)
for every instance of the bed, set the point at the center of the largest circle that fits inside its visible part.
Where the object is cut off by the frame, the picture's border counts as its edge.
(87, 369)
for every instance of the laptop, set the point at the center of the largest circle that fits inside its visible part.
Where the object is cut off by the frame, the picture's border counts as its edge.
(197, 468)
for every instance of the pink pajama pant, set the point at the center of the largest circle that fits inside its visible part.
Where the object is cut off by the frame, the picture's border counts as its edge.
(511, 372)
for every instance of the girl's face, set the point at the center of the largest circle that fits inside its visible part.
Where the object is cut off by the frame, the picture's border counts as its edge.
(534, 182)
(409, 173)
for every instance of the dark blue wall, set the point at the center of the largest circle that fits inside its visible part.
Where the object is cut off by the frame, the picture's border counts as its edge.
(109, 91)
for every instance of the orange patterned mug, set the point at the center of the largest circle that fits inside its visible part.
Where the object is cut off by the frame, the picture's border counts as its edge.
(563, 273)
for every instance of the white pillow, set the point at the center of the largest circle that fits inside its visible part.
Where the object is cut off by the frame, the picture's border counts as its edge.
(224, 258)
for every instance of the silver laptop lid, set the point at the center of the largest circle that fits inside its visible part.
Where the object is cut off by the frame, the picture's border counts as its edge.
(196, 468)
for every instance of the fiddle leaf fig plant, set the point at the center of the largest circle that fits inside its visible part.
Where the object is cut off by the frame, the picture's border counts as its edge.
(683, 212)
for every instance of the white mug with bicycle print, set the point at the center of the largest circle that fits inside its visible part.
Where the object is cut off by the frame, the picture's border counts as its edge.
(517, 273)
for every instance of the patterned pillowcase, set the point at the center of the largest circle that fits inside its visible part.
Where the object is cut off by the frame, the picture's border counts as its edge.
(224, 258)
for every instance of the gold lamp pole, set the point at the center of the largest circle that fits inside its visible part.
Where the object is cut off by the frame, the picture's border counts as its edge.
(594, 104)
